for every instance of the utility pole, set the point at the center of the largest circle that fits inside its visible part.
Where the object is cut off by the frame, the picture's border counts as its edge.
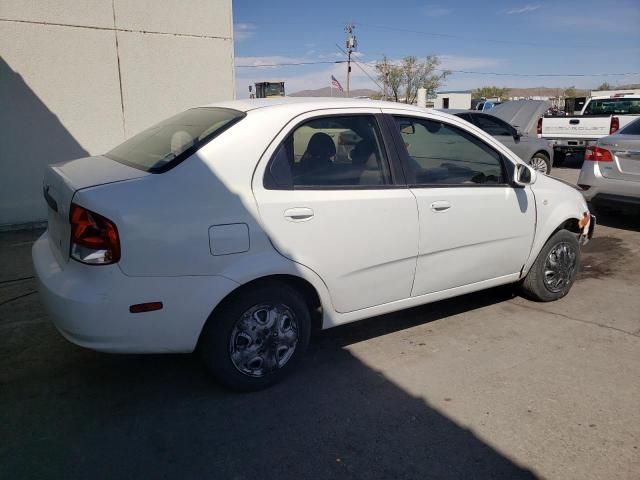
(352, 44)
(385, 77)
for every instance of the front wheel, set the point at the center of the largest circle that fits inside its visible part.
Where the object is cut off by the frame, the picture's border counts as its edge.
(257, 337)
(540, 163)
(553, 273)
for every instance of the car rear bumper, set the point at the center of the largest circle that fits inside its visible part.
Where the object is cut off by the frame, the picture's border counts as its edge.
(571, 145)
(598, 189)
(89, 305)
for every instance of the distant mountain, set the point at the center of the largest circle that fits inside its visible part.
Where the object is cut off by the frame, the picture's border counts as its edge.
(326, 92)
(543, 92)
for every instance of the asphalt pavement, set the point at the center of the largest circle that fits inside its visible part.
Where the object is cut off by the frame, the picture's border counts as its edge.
(484, 386)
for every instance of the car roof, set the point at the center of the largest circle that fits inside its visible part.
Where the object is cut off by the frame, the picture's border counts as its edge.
(310, 103)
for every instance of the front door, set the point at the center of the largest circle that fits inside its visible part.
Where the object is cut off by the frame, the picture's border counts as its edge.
(474, 225)
(327, 200)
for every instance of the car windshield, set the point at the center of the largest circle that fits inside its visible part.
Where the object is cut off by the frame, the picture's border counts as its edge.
(166, 144)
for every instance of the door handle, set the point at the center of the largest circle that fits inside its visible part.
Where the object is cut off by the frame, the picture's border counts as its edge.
(298, 214)
(440, 206)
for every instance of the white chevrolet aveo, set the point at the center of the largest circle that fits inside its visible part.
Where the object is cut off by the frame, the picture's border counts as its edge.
(238, 228)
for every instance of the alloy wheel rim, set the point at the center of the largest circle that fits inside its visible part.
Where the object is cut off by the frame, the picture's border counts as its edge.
(559, 267)
(539, 164)
(263, 339)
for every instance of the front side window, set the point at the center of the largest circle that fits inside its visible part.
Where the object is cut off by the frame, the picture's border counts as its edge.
(169, 142)
(335, 151)
(613, 106)
(441, 154)
(493, 126)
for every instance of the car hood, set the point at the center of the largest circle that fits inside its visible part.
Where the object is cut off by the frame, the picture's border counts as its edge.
(521, 113)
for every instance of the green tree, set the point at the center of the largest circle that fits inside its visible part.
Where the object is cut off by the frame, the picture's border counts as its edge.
(569, 92)
(604, 86)
(490, 92)
(405, 77)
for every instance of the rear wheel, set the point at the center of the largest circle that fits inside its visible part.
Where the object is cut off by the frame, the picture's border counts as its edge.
(540, 163)
(257, 337)
(554, 271)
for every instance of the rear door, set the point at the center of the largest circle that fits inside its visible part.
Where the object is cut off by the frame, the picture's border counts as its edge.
(331, 198)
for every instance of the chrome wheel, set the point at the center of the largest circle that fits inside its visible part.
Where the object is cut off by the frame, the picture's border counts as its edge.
(539, 164)
(263, 340)
(559, 267)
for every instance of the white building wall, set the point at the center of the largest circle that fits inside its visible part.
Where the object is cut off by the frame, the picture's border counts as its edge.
(77, 77)
(456, 100)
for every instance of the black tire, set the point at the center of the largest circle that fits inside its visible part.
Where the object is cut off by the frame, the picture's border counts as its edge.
(216, 345)
(545, 159)
(536, 284)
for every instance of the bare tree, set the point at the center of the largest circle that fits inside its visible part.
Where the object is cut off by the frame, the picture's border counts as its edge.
(408, 75)
(390, 75)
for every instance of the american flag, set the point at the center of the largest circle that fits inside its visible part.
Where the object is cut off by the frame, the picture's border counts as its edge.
(335, 83)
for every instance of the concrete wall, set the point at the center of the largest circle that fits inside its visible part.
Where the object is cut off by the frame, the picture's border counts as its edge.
(456, 100)
(77, 77)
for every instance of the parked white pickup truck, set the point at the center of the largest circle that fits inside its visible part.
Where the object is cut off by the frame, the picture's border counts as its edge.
(601, 116)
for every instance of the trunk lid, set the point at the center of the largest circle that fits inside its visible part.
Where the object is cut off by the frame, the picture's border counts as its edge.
(63, 180)
(626, 157)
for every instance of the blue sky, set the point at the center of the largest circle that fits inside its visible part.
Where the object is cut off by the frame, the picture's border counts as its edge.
(524, 37)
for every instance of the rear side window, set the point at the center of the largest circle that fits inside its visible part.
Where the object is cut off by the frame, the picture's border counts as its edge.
(330, 152)
(632, 129)
(613, 106)
(166, 144)
(493, 126)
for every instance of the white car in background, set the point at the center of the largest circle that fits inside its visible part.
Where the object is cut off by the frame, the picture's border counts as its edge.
(237, 228)
(610, 175)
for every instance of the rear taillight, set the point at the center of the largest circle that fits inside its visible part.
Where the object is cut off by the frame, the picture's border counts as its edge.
(597, 154)
(615, 125)
(94, 238)
(539, 127)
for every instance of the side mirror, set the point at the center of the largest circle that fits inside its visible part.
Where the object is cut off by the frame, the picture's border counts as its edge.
(408, 128)
(523, 175)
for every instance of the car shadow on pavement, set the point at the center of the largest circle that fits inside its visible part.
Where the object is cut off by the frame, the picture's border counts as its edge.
(67, 412)
(627, 220)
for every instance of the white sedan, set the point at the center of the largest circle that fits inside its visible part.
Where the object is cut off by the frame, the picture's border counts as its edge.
(238, 228)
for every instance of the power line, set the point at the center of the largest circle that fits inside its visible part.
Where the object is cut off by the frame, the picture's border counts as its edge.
(263, 65)
(478, 39)
(360, 67)
(502, 74)
(469, 72)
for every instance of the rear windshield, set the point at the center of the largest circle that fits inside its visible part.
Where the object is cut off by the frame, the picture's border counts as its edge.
(166, 144)
(613, 106)
(632, 129)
